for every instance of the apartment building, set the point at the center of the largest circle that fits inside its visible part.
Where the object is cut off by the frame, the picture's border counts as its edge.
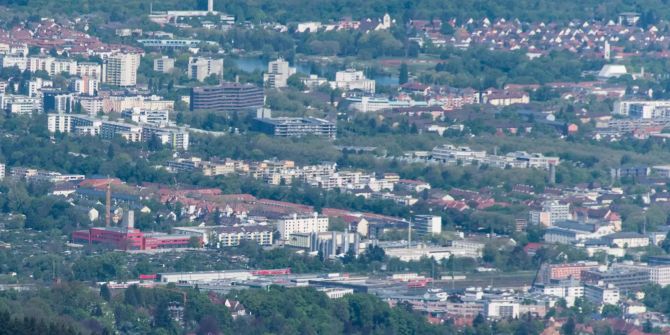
(297, 223)
(121, 69)
(164, 64)
(222, 237)
(552, 212)
(200, 68)
(278, 73)
(176, 138)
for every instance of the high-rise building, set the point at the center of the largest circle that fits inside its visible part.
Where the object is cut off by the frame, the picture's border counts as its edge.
(227, 97)
(121, 69)
(200, 68)
(164, 64)
(278, 73)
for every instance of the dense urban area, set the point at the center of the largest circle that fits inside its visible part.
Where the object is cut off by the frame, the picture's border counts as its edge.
(335, 167)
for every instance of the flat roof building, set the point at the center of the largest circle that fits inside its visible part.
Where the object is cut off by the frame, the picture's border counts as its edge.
(296, 127)
(227, 97)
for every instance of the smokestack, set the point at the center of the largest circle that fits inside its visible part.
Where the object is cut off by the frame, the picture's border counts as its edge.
(108, 204)
(130, 220)
(210, 6)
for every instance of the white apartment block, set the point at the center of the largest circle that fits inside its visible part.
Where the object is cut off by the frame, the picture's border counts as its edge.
(200, 68)
(121, 69)
(164, 64)
(296, 223)
(3, 169)
(53, 65)
(551, 213)
(278, 73)
(176, 138)
(351, 79)
(643, 109)
(222, 237)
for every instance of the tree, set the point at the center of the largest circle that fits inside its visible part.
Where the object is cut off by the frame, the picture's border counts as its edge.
(105, 293)
(568, 327)
(403, 77)
(611, 311)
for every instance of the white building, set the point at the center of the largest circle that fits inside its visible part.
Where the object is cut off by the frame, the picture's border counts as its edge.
(427, 224)
(296, 223)
(351, 79)
(552, 212)
(602, 294)
(121, 69)
(448, 153)
(164, 64)
(501, 308)
(155, 117)
(566, 289)
(278, 73)
(200, 68)
(643, 109)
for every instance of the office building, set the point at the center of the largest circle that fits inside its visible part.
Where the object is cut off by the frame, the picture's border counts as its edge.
(227, 97)
(658, 274)
(164, 64)
(602, 294)
(200, 68)
(121, 69)
(278, 73)
(566, 271)
(427, 225)
(301, 223)
(154, 117)
(118, 104)
(625, 279)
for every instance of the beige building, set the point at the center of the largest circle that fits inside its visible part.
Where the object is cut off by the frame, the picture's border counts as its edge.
(121, 69)
(200, 68)
(278, 73)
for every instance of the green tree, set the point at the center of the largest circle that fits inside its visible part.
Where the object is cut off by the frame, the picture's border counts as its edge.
(403, 77)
